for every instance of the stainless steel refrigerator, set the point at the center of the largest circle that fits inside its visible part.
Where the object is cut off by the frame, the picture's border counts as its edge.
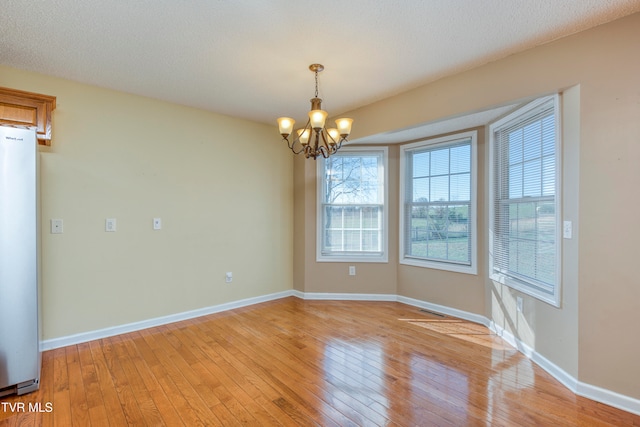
(20, 358)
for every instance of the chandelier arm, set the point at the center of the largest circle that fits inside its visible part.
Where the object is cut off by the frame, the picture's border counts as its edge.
(293, 148)
(296, 140)
(333, 145)
(322, 143)
(325, 149)
(290, 144)
(329, 140)
(323, 133)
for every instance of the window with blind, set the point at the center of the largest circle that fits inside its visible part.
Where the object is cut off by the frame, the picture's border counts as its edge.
(525, 208)
(438, 205)
(352, 207)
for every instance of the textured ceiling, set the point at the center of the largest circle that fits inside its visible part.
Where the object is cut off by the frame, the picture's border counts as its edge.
(249, 58)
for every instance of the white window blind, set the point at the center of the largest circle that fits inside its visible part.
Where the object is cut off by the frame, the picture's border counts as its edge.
(525, 151)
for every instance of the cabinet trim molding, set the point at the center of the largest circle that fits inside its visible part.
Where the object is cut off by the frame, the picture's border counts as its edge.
(27, 109)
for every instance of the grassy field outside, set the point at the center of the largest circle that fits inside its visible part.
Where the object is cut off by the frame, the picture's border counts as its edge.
(436, 238)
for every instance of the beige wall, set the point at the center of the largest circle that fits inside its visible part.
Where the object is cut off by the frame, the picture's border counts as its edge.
(593, 335)
(333, 277)
(222, 187)
(458, 290)
(533, 326)
(609, 300)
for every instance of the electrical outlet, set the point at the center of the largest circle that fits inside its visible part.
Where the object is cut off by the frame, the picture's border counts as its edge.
(56, 226)
(157, 223)
(352, 270)
(228, 278)
(110, 224)
(567, 229)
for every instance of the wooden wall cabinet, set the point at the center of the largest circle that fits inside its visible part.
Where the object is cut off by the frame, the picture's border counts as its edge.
(20, 108)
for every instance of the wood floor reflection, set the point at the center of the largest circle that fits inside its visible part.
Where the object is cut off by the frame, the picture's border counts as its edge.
(293, 362)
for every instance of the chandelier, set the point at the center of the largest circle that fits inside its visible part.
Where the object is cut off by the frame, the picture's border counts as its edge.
(314, 139)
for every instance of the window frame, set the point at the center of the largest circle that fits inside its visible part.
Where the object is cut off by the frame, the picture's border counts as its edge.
(431, 143)
(520, 283)
(381, 257)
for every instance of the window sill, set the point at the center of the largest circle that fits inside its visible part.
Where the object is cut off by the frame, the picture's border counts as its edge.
(455, 268)
(527, 289)
(353, 258)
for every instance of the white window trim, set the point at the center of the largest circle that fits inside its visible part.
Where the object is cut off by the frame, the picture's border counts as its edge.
(519, 285)
(361, 257)
(443, 265)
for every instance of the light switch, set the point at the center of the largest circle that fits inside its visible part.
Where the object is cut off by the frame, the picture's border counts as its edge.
(110, 224)
(56, 226)
(157, 223)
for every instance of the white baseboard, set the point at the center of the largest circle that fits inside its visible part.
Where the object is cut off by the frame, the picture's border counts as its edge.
(158, 321)
(609, 397)
(589, 391)
(345, 297)
(598, 394)
(558, 373)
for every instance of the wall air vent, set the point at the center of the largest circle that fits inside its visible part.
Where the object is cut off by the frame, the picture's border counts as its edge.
(432, 312)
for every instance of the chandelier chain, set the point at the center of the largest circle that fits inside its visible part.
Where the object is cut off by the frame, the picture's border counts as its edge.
(316, 72)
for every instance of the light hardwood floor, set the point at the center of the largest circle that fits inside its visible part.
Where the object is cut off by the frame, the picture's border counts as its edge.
(293, 362)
